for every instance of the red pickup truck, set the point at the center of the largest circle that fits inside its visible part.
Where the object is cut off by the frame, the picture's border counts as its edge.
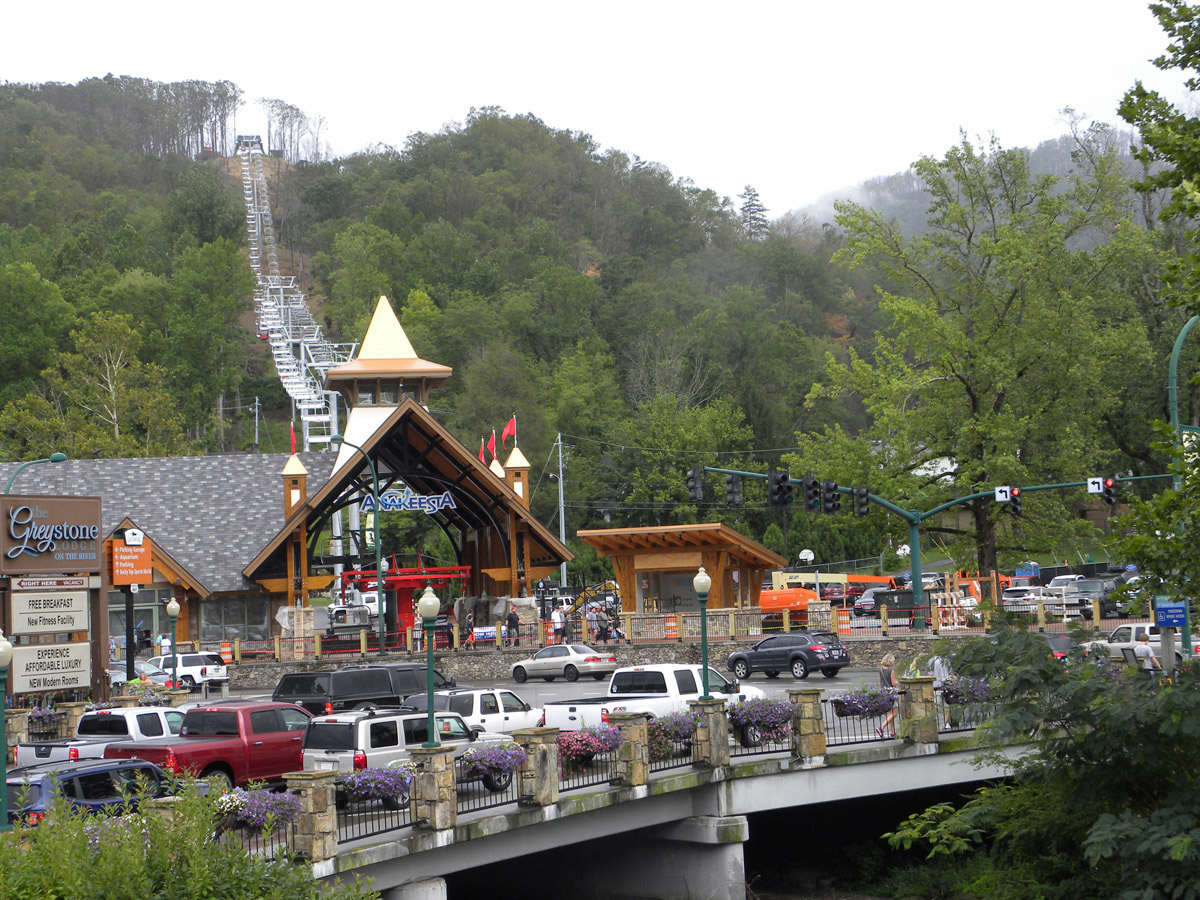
(231, 742)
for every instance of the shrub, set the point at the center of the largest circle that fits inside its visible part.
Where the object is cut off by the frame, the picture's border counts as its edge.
(773, 718)
(494, 759)
(866, 701)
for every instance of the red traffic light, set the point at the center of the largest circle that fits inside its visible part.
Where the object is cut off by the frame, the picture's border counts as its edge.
(1109, 482)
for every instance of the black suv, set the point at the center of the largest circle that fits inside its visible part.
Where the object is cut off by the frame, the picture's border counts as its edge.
(1088, 591)
(356, 687)
(798, 651)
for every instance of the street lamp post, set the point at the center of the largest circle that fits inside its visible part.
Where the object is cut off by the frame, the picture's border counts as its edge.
(6, 655)
(702, 583)
(428, 608)
(173, 614)
(53, 457)
(339, 439)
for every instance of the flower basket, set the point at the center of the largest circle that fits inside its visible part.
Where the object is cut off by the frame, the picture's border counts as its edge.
(577, 748)
(389, 785)
(668, 734)
(963, 689)
(43, 722)
(494, 763)
(256, 811)
(864, 703)
(761, 721)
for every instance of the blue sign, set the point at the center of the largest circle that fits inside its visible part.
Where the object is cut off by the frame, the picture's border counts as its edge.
(1168, 614)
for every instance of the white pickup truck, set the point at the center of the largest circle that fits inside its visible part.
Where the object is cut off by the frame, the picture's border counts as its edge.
(660, 690)
(491, 709)
(1128, 636)
(98, 729)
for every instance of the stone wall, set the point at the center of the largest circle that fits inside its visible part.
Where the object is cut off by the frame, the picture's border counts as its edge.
(469, 666)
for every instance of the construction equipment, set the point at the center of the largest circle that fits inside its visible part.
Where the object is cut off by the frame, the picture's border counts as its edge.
(591, 591)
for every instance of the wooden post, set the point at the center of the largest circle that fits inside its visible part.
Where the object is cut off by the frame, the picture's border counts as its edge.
(787, 620)
(237, 650)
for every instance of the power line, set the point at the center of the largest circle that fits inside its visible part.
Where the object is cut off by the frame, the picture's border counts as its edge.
(681, 450)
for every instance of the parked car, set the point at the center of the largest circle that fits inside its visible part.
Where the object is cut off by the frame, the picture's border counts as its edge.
(1089, 591)
(867, 603)
(491, 710)
(194, 668)
(1061, 645)
(375, 738)
(99, 728)
(568, 660)
(93, 785)
(118, 676)
(798, 652)
(1061, 581)
(355, 687)
(230, 742)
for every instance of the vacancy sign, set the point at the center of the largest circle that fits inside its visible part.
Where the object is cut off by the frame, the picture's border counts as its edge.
(131, 564)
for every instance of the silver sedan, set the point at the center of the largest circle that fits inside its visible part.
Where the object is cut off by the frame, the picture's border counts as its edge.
(568, 660)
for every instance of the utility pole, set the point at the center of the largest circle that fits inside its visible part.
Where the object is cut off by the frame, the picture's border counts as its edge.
(562, 519)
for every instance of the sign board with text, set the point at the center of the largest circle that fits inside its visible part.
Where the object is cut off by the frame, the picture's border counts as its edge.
(49, 534)
(131, 563)
(1169, 614)
(48, 612)
(51, 667)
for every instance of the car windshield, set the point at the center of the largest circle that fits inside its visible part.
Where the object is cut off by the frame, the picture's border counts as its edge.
(420, 703)
(329, 736)
(302, 685)
(1090, 584)
(583, 650)
(23, 794)
(825, 637)
(150, 669)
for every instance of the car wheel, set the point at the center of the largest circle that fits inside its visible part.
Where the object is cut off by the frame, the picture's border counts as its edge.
(497, 782)
(597, 676)
(394, 803)
(519, 674)
(571, 673)
(830, 671)
(750, 736)
(188, 681)
(741, 670)
(772, 673)
(799, 668)
(218, 780)
(547, 678)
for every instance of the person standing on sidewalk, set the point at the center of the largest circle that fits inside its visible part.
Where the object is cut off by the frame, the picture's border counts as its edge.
(513, 623)
(888, 681)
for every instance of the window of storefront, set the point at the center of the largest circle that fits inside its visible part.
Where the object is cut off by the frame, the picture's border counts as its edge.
(247, 618)
(149, 616)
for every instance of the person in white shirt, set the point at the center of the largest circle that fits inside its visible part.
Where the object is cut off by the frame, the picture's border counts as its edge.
(1145, 654)
(556, 620)
(165, 646)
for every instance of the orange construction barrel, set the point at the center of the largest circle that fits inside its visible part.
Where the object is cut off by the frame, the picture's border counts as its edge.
(671, 629)
(227, 652)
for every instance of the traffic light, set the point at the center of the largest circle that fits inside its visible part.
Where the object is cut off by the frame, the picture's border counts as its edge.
(812, 492)
(779, 487)
(831, 500)
(695, 484)
(1109, 491)
(1014, 501)
(733, 489)
(862, 505)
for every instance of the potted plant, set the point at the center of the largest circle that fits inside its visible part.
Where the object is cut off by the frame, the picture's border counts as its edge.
(43, 720)
(960, 692)
(256, 810)
(493, 763)
(668, 733)
(577, 748)
(757, 722)
(864, 702)
(387, 785)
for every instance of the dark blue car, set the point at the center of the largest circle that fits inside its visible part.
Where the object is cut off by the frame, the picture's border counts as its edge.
(94, 785)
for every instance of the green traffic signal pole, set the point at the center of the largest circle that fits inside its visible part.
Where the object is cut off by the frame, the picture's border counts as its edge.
(914, 518)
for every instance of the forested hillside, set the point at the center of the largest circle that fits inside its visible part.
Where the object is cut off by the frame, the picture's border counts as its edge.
(653, 323)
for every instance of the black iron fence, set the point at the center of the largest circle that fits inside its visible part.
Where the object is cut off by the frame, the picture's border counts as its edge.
(364, 818)
(753, 741)
(668, 753)
(580, 773)
(475, 791)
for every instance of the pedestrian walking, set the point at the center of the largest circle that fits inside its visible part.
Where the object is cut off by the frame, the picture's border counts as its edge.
(1145, 654)
(593, 634)
(888, 680)
(471, 630)
(602, 622)
(557, 620)
(513, 622)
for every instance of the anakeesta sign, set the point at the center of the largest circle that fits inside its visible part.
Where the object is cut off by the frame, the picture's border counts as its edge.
(49, 534)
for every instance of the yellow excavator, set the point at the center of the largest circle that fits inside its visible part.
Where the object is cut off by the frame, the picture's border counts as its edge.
(591, 591)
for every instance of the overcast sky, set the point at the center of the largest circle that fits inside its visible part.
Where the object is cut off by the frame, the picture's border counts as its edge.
(797, 98)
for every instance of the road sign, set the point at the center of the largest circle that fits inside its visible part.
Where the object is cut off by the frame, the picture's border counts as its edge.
(1095, 485)
(1169, 614)
(1003, 494)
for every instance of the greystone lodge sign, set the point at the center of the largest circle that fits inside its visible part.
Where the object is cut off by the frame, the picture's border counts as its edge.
(50, 534)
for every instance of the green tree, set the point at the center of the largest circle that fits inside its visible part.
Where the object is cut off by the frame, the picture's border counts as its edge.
(987, 373)
(204, 206)
(34, 319)
(753, 215)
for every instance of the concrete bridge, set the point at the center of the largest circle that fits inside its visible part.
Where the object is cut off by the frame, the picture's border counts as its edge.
(680, 825)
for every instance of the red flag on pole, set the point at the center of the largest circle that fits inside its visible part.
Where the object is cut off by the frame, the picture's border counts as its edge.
(292, 426)
(510, 430)
(481, 459)
(492, 444)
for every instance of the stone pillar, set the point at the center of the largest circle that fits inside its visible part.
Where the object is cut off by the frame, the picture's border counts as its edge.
(808, 726)
(167, 807)
(820, 616)
(917, 720)
(176, 697)
(537, 780)
(296, 646)
(16, 731)
(314, 834)
(72, 712)
(632, 764)
(434, 798)
(712, 734)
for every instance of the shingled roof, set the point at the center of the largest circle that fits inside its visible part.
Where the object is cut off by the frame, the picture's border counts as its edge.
(211, 514)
